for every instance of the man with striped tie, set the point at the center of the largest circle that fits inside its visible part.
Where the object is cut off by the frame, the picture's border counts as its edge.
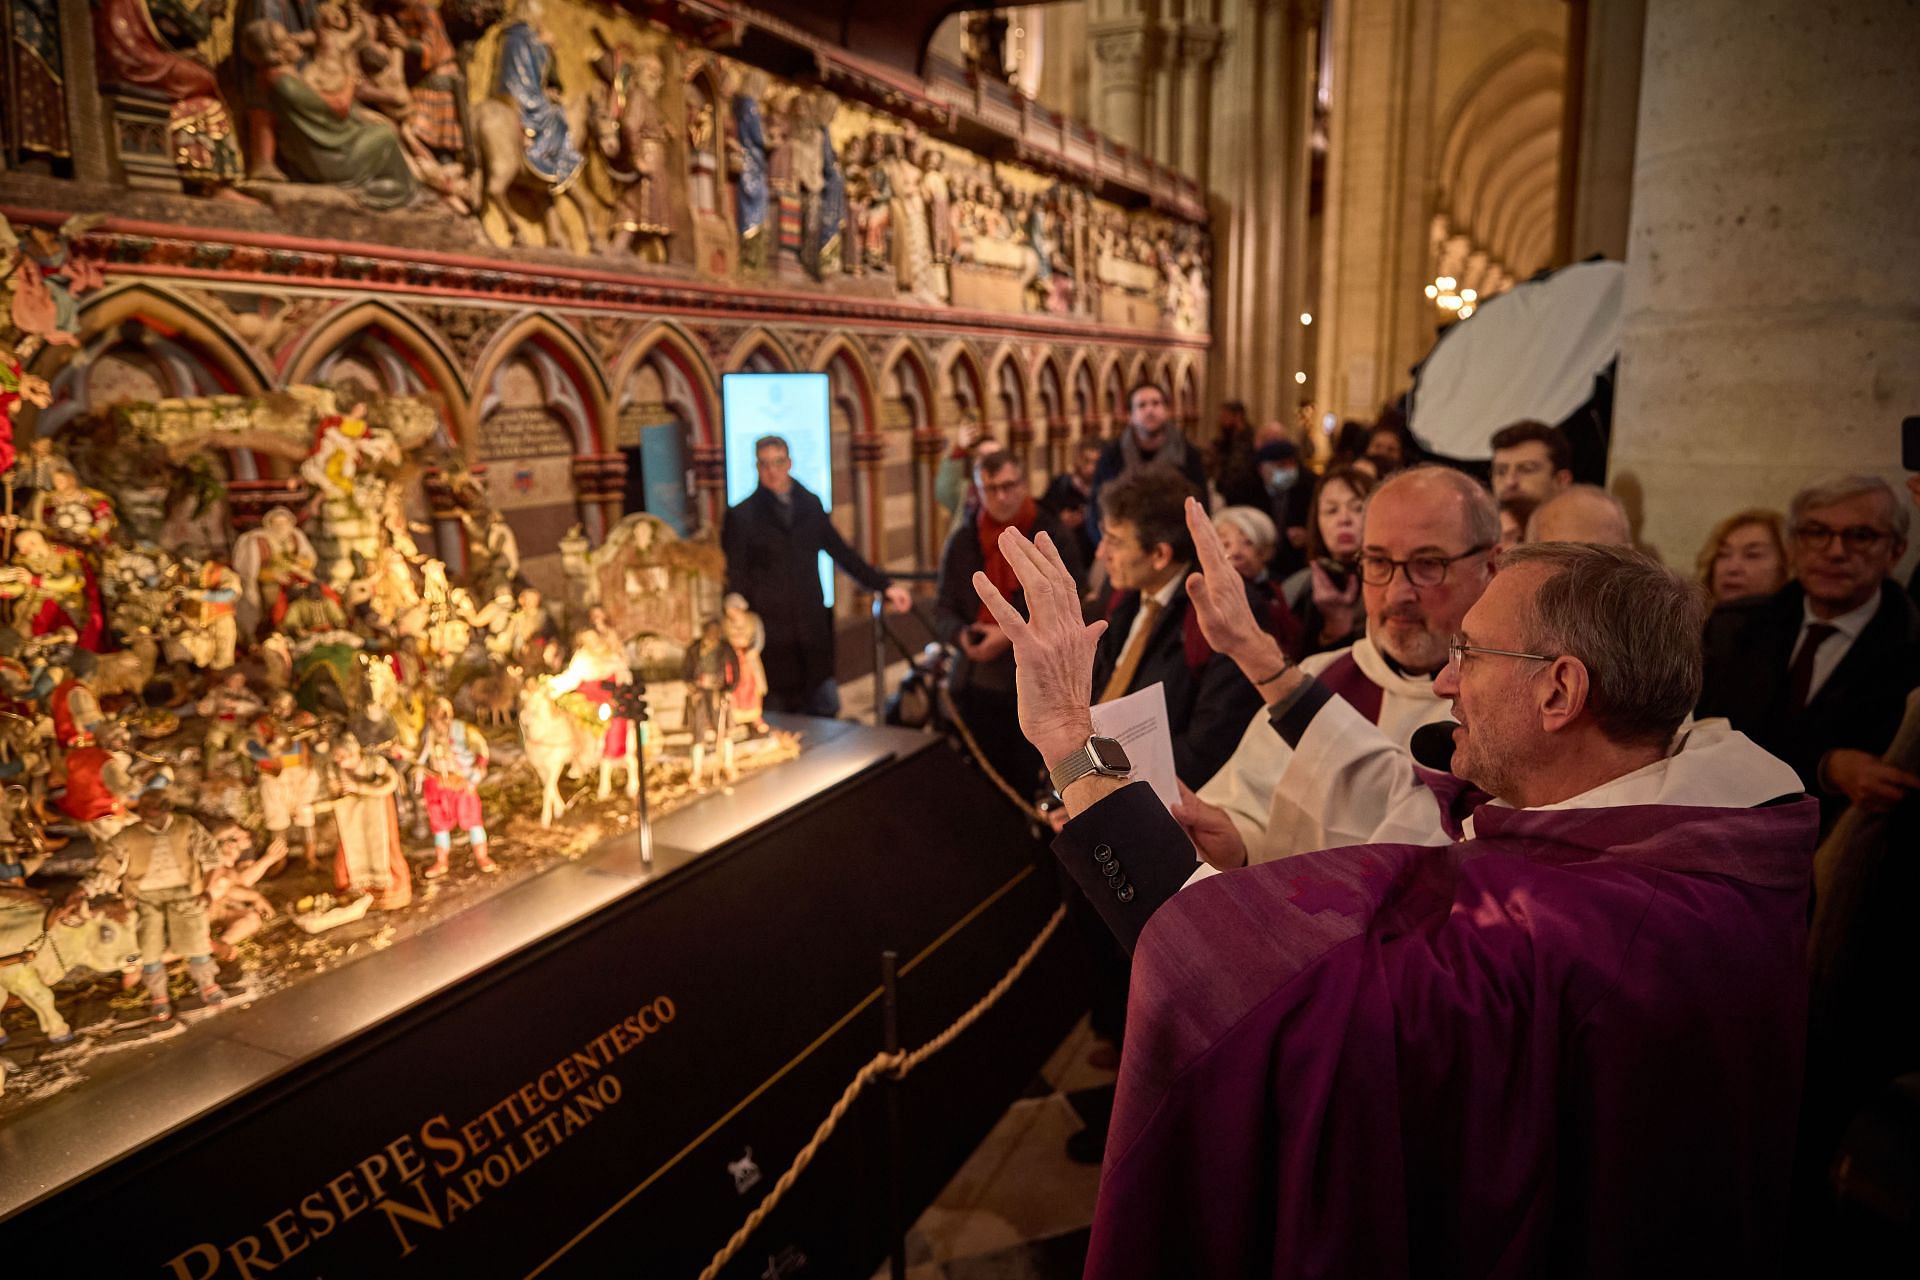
(1152, 635)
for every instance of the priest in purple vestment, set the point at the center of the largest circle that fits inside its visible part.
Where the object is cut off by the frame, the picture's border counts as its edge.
(1563, 1040)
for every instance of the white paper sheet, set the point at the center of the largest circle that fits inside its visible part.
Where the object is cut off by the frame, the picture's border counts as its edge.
(1139, 722)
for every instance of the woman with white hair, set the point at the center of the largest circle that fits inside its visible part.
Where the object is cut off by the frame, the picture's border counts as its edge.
(1251, 538)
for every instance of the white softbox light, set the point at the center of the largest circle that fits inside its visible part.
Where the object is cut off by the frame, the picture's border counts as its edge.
(1531, 352)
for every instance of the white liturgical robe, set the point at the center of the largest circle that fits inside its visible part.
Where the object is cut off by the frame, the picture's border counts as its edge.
(1283, 804)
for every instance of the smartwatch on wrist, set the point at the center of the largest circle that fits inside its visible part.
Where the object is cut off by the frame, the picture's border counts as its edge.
(1104, 756)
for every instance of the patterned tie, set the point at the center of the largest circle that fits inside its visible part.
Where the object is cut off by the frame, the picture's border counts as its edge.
(1136, 650)
(1801, 677)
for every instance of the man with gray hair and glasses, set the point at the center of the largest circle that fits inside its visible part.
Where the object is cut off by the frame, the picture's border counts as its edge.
(1818, 672)
(1562, 1038)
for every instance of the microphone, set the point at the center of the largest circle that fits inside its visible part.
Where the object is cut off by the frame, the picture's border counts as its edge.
(1432, 745)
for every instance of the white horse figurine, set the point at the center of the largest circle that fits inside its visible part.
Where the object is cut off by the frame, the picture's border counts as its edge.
(561, 743)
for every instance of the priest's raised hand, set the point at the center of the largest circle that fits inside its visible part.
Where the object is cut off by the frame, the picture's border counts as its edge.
(1219, 598)
(1052, 649)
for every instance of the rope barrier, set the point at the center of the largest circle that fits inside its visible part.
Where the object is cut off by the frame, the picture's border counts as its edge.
(898, 1065)
(980, 758)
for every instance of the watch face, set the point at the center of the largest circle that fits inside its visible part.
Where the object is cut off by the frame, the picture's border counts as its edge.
(1110, 754)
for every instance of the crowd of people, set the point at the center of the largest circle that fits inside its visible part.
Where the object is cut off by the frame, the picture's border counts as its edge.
(1524, 983)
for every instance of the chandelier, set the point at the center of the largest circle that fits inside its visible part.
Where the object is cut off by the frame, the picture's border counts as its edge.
(1452, 300)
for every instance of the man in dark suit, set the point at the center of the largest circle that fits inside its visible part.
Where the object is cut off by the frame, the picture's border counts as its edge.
(982, 679)
(773, 541)
(1818, 672)
(1152, 635)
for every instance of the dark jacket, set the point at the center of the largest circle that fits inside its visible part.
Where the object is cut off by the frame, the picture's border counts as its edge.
(957, 605)
(1113, 462)
(1749, 652)
(772, 558)
(1209, 703)
(1235, 474)
(1062, 496)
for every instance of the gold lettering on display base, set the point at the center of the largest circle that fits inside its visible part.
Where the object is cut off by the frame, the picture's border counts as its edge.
(438, 1172)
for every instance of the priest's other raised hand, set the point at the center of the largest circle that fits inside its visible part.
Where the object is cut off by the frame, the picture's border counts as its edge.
(1219, 598)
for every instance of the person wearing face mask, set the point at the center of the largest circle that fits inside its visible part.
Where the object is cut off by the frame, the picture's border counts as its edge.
(1324, 593)
(1429, 550)
(1745, 555)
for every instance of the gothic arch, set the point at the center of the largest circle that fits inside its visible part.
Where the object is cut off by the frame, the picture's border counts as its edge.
(1049, 388)
(845, 364)
(673, 348)
(1083, 395)
(1009, 389)
(1137, 372)
(1113, 393)
(228, 355)
(763, 342)
(1186, 393)
(965, 381)
(564, 348)
(1162, 373)
(431, 361)
(904, 373)
(190, 352)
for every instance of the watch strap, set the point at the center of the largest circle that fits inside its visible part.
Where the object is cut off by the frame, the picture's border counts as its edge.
(1080, 764)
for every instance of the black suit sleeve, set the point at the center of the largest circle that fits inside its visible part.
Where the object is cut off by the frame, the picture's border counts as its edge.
(848, 559)
(956, 605)
(1128, 856)
(1223, 706)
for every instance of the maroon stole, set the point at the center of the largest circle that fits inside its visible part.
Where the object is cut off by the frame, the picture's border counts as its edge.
(1346, 678)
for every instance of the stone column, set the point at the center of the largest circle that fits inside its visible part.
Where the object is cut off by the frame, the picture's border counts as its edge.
(1374, 320)
(1122, 49)
(710, 484)
(1199, 45)
(1063, 66)
(867, 450)
(1601, 146)
(1262, 118)
(88, 120)
(929, 519)
(1020, 440)
(1773, 273)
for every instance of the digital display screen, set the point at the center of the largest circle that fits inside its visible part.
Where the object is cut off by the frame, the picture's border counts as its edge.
(795, 407)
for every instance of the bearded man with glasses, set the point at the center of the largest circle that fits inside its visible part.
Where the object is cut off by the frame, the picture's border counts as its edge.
(1429, 549)
(1818, 672)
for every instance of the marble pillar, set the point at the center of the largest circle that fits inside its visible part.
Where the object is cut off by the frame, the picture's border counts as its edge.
(929, 518)
(1374, 320)
(1193, 111)
(1259, 162)
(1122, 55)
(1597, 218)
(1773, 288)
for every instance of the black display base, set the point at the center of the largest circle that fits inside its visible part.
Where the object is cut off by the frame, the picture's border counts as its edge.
(598, 1072)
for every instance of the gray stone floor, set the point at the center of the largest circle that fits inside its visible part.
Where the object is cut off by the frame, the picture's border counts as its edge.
(1018, 1209)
